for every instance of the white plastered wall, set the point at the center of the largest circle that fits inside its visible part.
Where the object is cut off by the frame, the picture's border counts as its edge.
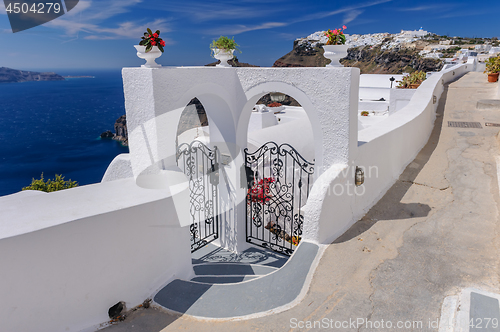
(385, 149)
(155, 98)
(67, 257)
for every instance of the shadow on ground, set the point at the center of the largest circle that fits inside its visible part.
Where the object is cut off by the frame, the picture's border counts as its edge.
(396, 193)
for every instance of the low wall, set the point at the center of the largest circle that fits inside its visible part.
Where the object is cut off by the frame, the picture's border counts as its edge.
(376, 86)
(72, 254)
(399, 98)
(384, 151)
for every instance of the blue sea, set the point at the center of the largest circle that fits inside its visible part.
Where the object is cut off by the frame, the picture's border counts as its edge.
(54, 128)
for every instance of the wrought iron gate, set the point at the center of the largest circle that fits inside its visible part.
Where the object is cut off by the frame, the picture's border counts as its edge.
(200, 164)
(279, 180)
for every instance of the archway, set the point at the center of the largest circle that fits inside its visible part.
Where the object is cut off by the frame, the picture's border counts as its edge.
(199, 162)
(279, 166)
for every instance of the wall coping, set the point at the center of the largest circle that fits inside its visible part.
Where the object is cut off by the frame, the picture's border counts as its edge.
(30, 211)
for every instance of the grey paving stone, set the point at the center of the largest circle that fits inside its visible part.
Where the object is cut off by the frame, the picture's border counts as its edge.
(484, 313)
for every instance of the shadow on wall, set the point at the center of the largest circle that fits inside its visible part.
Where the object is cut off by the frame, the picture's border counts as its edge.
(396, 193)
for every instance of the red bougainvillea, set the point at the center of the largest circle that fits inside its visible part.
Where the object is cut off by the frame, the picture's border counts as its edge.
(260, 191)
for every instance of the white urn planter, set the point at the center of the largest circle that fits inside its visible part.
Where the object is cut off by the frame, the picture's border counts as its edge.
(224, 56)
(335, 53)
(276, 109)
(149, 56)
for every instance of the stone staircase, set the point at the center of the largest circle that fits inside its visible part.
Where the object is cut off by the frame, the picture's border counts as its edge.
(228, 285)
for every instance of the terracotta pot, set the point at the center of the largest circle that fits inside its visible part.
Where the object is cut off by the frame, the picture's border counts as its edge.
(414, 86)
(492, 77)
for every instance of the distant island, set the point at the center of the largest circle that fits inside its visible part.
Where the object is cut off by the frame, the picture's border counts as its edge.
(72, 76)
(8, 75)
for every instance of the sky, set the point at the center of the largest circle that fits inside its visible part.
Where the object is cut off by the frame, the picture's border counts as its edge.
(101, 33)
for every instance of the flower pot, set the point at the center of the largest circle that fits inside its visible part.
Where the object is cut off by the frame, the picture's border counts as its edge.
(223, 55)
(414, 86)
(335, 53)
(276, 109)
(149, 56)
(492, 77)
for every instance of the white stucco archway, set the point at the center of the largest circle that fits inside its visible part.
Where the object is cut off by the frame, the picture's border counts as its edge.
(155, 98)
(255, 93)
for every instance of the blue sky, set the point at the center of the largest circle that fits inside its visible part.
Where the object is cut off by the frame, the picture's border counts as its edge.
(101, 33)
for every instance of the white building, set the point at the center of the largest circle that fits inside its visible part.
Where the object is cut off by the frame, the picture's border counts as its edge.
(414, 33)
(80, 251)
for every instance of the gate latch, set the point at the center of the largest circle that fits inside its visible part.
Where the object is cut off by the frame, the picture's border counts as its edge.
(214, 174)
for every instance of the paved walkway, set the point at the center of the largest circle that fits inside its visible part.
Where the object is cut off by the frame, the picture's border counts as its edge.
(432, 235)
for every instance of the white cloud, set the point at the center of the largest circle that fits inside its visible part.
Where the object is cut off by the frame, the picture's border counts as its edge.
(131, 30)
(340, 11)
(351, 16)
(214, 10)
(351, 13)
(237, 29)
(123, 30)
(80, 7)
(465, 13)
(424, 8)
(101, 10)
(92, 20)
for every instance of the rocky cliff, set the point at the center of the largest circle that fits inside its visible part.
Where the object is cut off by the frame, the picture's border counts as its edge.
(8, 75)
(233, 62)
(193, 116)
(121, 132)
(370, 59)
(374, 60)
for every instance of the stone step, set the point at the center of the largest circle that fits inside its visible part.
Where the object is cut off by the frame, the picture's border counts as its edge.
(223, 279)
(488, 104)
(232, 269)
(241, 299)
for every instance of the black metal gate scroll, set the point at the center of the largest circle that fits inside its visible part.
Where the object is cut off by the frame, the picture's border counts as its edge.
(200, 164)
(279, 180)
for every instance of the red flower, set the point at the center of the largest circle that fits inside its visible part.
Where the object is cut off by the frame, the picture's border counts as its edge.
(344, 27)
(153, 43)
(149, 36)
(155, 35)
(162, 43)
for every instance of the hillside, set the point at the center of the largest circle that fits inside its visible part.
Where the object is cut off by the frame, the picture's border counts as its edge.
(8, 75)
(383, 52)
(370, 59)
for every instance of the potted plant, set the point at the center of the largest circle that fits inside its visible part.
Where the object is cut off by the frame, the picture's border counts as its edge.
(150, 47)
(493, 68)
(275, 107)
(223, 49)
(335, 47)
(364, 113)
(412, 80)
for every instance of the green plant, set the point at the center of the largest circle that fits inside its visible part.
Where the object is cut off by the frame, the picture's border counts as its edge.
(224, 43)
(417, 77)
(493, 65)
(364, 113)
(336, 36)
(151, 39)
(51, 185)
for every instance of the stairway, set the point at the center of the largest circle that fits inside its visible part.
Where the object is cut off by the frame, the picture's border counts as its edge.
(228, 285)
(215, 265)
